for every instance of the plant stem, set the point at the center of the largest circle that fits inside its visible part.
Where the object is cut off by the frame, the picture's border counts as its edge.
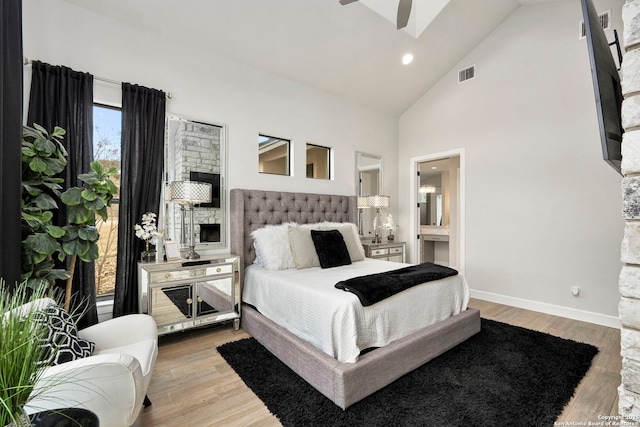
(67, 292)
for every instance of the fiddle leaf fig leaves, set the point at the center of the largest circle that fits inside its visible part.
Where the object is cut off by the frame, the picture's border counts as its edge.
(38, 164)
(89, 233)
(72, 197)
(44, 158)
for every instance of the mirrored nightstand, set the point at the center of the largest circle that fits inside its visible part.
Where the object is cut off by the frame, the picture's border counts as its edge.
(390, 251)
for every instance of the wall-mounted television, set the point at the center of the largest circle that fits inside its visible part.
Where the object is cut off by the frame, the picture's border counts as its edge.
(214, 180)
(606, 84)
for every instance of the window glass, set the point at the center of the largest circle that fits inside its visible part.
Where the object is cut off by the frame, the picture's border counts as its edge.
(107, 137)
(273, 155)
(318, 161)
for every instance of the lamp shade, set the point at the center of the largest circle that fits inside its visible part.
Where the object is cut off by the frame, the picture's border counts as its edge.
(363, 203)
(379, 201)
(190, 192)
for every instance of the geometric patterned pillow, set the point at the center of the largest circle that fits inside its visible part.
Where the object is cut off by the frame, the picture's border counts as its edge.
(62, 343)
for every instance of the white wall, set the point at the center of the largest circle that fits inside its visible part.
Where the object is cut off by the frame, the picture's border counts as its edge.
(542, 207)
(206, 87)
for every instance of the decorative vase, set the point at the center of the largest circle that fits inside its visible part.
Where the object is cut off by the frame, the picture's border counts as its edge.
(390, 237)
(148, 255)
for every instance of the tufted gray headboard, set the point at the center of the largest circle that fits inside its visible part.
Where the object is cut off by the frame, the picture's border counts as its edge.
(252, 209)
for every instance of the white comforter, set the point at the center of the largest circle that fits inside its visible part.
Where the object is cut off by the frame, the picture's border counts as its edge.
(306, 303)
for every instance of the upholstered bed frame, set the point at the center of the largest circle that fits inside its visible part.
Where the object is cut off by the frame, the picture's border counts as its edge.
(343, 383)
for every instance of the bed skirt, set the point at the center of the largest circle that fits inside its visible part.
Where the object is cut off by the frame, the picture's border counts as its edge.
(348, 383)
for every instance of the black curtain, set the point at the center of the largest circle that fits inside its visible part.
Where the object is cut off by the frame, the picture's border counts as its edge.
(63, 97)
(143, 118)
(10, 138)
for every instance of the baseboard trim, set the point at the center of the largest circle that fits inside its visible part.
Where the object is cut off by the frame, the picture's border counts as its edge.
(556, 310)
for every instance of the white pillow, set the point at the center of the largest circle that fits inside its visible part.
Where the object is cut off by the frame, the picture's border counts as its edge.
(302, 248)
(304, 251)
(258, 259)
(351, 237)
(272, 246)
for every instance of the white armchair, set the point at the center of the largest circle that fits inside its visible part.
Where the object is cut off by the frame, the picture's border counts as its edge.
(113, 381)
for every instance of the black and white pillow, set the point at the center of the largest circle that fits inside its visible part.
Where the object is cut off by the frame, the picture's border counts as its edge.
(62, 343)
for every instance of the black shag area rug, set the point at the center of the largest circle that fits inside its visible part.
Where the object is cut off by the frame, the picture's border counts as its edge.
(179, 296)
(504, 375)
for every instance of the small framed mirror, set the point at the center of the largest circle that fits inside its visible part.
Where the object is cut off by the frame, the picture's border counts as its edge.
(196, 151)
(368, 183)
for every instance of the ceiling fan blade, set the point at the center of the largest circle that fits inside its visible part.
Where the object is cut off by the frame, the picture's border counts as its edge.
(404, 10)
(343, 2)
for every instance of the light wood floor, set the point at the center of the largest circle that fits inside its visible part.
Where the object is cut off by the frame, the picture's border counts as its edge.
(192, 385)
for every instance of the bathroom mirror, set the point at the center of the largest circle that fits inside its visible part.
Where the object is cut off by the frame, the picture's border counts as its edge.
(433, 192)
(196, 151)
(430, 198)
(368, 183)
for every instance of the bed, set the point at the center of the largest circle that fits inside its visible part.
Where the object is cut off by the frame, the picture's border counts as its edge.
(342, 378)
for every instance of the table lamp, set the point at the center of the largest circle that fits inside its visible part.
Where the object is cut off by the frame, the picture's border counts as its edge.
(378, 202)
(190, 193)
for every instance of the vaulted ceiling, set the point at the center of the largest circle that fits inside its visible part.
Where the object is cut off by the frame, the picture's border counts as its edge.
(352, 51)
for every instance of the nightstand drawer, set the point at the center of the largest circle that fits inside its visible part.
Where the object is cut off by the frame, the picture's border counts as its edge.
(209, 270)
(397, 250)
(376, 252)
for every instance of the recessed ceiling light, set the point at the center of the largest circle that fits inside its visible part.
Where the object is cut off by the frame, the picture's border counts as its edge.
(434, 167)
(406, 60)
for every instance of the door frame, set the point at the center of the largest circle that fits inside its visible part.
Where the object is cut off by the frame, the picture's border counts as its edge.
(413, 199)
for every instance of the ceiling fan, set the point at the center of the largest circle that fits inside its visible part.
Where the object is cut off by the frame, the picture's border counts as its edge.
(404, 10)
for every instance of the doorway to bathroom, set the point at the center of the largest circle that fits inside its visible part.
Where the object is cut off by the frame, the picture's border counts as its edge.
(437, 200)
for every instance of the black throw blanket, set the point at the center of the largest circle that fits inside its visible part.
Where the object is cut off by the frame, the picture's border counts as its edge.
(373, 288)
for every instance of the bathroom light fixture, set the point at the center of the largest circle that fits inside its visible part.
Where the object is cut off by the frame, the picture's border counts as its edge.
(190, 193)
(424, 189)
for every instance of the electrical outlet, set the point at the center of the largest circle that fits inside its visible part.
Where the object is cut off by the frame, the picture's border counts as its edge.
(575, 291)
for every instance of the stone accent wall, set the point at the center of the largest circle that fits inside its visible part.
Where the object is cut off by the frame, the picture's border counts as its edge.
(197, 148)
(629, 284)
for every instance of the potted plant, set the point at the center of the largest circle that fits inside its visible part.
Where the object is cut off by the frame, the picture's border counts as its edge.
(391, 228)
(22, 355)
(43, 159)
(148, 232)
(80, 239)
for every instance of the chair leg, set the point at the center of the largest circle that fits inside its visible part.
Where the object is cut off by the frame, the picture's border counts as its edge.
(147, 402)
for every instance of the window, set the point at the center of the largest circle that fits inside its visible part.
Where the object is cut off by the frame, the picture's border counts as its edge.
(107, 137)
(273, 155)
(318, 162)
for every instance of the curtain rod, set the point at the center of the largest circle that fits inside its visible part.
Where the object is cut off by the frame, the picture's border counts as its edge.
(27, 61)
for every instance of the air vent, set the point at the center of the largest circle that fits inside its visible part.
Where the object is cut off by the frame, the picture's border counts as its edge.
(604, 23)
(466, 74)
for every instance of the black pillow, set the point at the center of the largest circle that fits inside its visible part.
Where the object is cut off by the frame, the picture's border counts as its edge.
(331, 248)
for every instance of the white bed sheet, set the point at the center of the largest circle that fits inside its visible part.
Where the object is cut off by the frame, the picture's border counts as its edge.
(306, 303)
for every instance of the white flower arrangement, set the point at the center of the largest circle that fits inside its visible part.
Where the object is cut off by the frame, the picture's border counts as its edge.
(148, 230)
(389, 225)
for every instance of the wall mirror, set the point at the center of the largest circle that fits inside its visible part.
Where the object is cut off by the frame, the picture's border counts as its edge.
(368, 183)
(196, 151)
(434, 183)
